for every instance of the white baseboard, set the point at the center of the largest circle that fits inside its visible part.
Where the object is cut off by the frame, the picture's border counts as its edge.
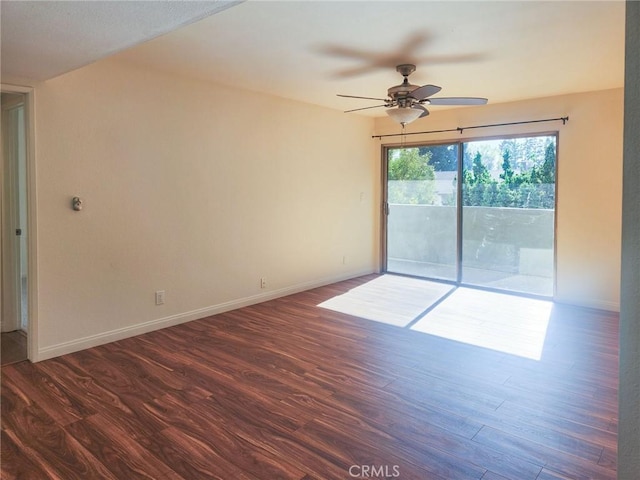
(157, 324)
(594, 303)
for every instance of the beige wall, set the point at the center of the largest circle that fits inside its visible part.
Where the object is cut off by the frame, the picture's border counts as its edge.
(589, 180)
(201, 190)
(191, 188)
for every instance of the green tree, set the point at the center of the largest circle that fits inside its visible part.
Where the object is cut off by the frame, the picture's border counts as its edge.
(408, 164)
(525, 181)
(480, 172)
(477, 184)
(506, 196)
(444, 158)
(548, 170)
(507, 171)
(411, 178)
(523, 152)
(490, 194)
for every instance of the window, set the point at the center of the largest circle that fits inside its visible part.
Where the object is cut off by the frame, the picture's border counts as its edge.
(477, 213)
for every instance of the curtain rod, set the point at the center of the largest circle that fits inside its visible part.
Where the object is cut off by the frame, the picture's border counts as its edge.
(461, 129)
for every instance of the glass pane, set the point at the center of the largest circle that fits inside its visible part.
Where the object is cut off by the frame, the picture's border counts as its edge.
(508, 199)
(421, 225)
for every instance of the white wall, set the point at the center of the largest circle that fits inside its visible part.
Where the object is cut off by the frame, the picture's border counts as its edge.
(191, 188)
(589, 180)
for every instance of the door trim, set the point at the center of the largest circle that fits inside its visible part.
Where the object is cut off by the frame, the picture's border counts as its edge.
(32, 224)
(10, 258)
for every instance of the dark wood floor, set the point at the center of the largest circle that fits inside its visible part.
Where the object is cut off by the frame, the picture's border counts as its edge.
(13, 347)
(288, 390)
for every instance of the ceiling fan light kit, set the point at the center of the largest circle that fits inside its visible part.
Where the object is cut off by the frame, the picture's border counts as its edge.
(404, 115)
(405, 102)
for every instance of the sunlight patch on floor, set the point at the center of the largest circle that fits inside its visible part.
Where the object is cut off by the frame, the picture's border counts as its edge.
(506, 323)
(390, 299)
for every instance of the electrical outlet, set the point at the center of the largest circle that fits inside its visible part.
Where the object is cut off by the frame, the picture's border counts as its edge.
(160, 297)
(263, 282)
(344, 259)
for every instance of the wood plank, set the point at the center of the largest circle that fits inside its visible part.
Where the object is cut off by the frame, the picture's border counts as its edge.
(415, 436)
(13, 347)
(562, 456)
(37, 437)
(191, 458)
(119, 452)
(124, 410)
(15, 464)
(61, 405)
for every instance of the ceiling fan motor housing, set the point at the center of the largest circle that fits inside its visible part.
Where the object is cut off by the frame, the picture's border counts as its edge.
(400, 93)
(402, 90)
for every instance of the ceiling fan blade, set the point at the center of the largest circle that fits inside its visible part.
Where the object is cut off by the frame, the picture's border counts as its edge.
(424, 91)
(364, 98)
(365, 108)
(425, 112)
(457, 101)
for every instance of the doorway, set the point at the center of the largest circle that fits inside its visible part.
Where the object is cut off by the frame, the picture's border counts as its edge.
(476, 213)
(14, 304)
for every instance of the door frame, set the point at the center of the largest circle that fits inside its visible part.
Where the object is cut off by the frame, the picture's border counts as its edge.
(385, 205)
(32, 234)
(10, 258)
(461, 142)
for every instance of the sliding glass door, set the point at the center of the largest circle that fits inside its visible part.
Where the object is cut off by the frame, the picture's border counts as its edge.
(477, 213)
(508, 214)
(421, 221)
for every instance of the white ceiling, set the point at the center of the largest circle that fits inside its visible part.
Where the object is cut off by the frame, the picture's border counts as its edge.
(312, 50)
(43, 39)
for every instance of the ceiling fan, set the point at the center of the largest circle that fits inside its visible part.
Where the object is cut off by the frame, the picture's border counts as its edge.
(406, 102)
